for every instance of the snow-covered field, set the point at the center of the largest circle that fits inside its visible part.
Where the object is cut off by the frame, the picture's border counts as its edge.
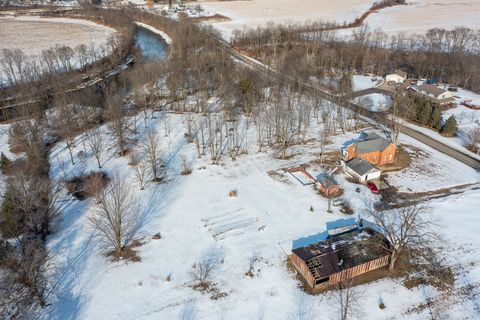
(361, 82)
(195, 215)
(420, 15)
(416, 17)
(430, 170)
(375, 101)
(256, 13)
(33, 34)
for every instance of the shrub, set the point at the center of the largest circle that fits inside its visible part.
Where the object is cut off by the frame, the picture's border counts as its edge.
(5, 163)
(450, 126)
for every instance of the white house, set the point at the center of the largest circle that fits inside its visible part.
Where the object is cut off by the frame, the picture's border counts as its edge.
(435, 92)
(398, 76)
(362, 170)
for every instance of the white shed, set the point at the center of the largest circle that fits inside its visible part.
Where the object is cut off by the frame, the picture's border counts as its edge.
(398, 76)
(362, 170)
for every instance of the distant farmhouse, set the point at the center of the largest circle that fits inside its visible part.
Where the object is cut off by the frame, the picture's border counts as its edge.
(362, 170)
(398, 76)
(348, 253)
(372, 148)
(433, 93)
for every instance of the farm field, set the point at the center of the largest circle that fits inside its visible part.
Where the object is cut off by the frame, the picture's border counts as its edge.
(421, 15)
(34, 34)
(416, 17)
(259, 12)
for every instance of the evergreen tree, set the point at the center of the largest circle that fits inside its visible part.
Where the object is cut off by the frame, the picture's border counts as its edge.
(435, 119)
(424, 112)
(10, 225)
(450, 126)
(5, 163)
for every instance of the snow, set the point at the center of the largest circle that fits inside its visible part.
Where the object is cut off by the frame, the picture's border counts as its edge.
(417, 16)
(30, 32)
(375, 101)
(260, 12)
(5, 149)
(420, 15)
(194, 215)
(457, 142)
(430, 170)
(361, 82)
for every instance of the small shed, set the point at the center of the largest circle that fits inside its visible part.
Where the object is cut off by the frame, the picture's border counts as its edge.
(362, 170)
(326, 184)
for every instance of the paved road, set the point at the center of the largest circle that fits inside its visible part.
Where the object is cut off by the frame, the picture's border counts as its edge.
(376, 116)
(443, 148)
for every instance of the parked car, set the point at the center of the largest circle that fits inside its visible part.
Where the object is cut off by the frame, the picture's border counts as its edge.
(338, 202)
(453, 89)
(372, 187)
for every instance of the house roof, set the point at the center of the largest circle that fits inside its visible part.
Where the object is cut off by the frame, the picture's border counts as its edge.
(326, 180)
(371, 143)
(431, 89)
(361, 166)
(401, 73)
(342, 252)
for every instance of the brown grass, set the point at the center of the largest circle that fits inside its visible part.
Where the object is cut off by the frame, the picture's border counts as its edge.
(215, 18)
(128, 253)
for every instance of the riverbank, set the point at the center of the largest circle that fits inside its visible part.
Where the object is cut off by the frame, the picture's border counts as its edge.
(165, 36)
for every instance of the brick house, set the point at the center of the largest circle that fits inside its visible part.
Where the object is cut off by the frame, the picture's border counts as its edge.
(340, 257)
(372, 148)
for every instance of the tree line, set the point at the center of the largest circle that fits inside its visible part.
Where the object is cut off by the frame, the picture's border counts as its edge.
(314, 49)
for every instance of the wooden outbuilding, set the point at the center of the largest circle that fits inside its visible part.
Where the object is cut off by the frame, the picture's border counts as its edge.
(326, 184)
(340, 257)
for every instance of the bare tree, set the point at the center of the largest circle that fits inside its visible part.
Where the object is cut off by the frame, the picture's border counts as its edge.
(51, 190)
(346, 297)
(117, 215)
(202, 269)
(151, 148)
(304, 307)
(95, 142)
(25, 281)
(114, 112)
(67, 125)
(141, 169)
(474, 138)
(405, 228)
(95, 184)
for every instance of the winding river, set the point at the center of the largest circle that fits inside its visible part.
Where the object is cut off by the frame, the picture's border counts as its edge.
(152, 45)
